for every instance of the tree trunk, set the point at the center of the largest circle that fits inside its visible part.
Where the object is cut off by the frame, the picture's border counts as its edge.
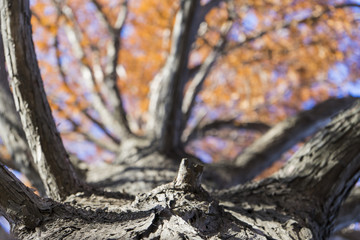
(44, 140)
(11, 131)
(297, 203)
(156, 201)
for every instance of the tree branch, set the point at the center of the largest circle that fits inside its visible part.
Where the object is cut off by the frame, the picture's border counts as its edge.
(43, 138)
(85, 112)
(109, 119)
(110, 80)
(99, 142)
(102, 16)
(205, 129)
(204, 70)
(269, 148)
(166, 89)
(18, 204)
(314, 16)
(11, 131)
(309, 190)
(328, 166)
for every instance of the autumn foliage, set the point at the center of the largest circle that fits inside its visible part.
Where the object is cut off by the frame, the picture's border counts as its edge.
(279, 57)
(100, 101)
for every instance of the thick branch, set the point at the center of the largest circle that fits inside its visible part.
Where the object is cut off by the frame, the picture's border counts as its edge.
(189, 175)
(327, 167)
(310, 188)
(44, 140)
(11, 131)
(269, 148)
(166, 90)
(18, 204)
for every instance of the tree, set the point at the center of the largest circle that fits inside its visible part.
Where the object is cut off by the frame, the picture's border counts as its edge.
(143, 193)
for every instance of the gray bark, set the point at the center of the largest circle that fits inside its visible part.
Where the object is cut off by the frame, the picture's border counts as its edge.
(299, 202)
(314, 182)
(18, 204)
(44, 140)
(166, 90)
(11, 131)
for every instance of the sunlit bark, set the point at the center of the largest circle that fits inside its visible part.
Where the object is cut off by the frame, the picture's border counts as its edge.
(43, 138)
(167, 87)
(158, 199)
(11, 131)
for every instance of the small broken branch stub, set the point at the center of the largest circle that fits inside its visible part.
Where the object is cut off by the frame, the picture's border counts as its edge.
(189, 174)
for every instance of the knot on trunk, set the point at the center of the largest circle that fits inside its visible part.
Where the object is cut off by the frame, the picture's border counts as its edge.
(189, 174)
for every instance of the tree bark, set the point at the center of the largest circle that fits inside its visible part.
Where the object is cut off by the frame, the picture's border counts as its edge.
(11, 131)
(18, 204)
(311, 187)
(167, 87)
(45, 143)
(300, 202)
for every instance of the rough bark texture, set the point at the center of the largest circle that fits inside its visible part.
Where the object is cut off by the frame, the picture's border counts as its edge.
(11, 131)
(18, 204)
(45, 143)
(295, 204)
(266, 210)
(168, 85)
(157, 201)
